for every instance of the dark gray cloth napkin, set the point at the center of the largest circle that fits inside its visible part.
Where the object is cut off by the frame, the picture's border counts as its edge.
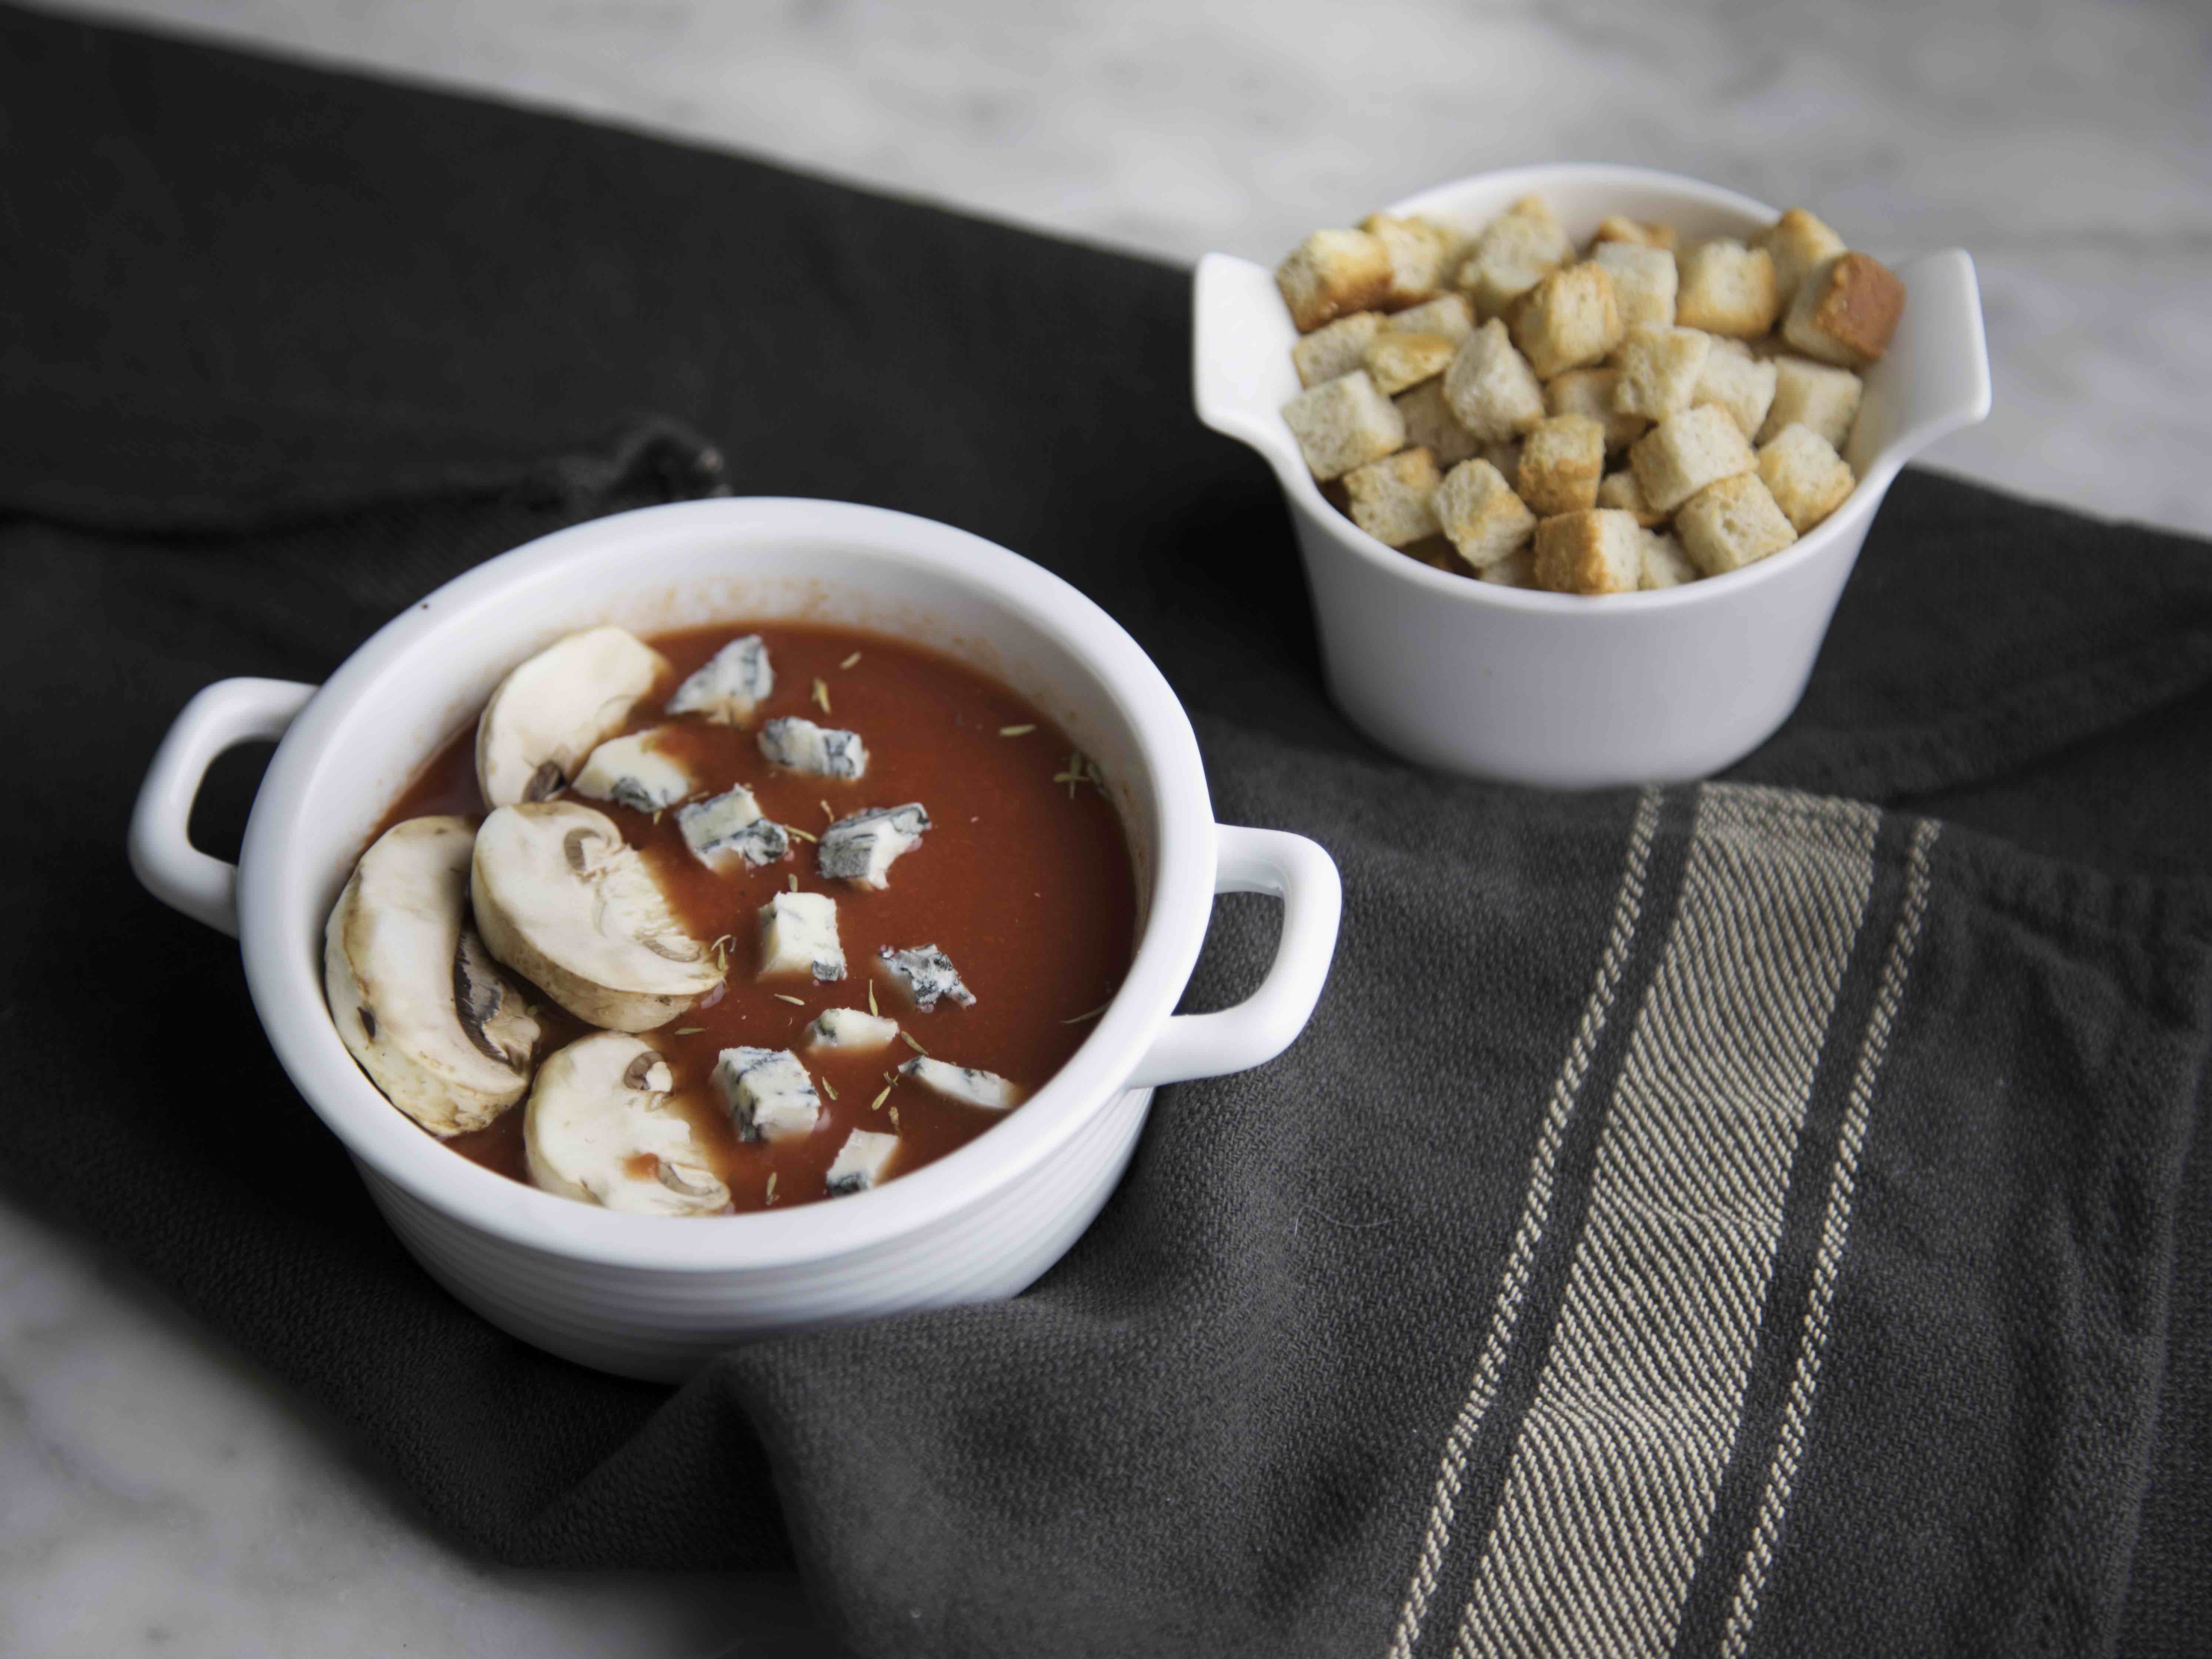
(1710, 1220)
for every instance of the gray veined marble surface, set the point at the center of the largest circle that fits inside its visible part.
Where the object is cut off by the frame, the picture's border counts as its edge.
(158, 1493)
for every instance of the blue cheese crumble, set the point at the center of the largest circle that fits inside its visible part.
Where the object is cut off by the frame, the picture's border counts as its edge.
(962, 1083)
(925, 974)
(766, 1092)
(726, 829)
(860, 1161)
(800, 746)
(729, 685)
(860, 848)
(799, 935)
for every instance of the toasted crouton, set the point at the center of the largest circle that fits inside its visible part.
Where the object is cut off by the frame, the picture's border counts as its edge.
(1430, 424)
(1845, 310)
(1451, 315)
(1516, 251)
(1416, 251)
(1506, 458)
(1480, 514)
(1591, 551)
(1726, 288)
(1659, 367)
(1665, 564)
(1435, 552)
(1637, 233)
(1617, 490)
(1568, 320)
(1390, 497)
(1741, 384)
(1730, 523)
(1395, 361)
(1335, 348)
(1561, 461)
(1685, 452)
(1806, 476)
(1590, 391)
(1517, 570)
(1492, 388)
(1343, 423)
(1643, 280)
(1818, 395)
(1797, 242)
(1331, 273)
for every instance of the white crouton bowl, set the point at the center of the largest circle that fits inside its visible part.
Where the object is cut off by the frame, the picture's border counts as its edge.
(1566, 690)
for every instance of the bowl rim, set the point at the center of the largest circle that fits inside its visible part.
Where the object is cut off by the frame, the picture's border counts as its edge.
(277, 896)
(1831, 537)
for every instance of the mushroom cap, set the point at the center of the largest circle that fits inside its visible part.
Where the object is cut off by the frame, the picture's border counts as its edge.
(553, 710)
(565, 904)
(599, 1129)
(416, 997)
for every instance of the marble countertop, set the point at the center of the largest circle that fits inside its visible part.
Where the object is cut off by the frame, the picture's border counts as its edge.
(159, 1492)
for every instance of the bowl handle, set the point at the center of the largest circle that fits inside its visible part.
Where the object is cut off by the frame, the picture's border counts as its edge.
(167, 865)
(1256, 1030)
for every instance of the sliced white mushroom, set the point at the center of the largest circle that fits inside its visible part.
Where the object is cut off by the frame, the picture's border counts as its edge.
(800, 746)
(860, 848)
(851, 1031)
(563, 902)
(727, 688)
(727, 831)
(965, 1083)
(799, 935)
(925, 974)
(768, 1092)
(633, 772)
(860, 1161)
(555, 708)
(599, 1129)
(417, 998)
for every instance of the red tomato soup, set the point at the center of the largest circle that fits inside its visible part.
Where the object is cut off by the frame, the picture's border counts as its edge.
(1023, 881)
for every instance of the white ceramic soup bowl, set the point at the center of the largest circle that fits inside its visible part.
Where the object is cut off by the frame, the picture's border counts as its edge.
(1557, 689)
(653, 1297)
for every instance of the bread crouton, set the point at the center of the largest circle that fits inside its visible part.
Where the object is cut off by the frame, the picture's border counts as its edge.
(1390, 497)
(1636, 233)
(1517, 570)
(1665, 564)
(1430, 424)
(1592, 552)
(1845, 310)
(1451, 315)
(1688, 451)
(1335, 348)
(1731, 523)
(1617, 490)
(1515, 251)
(1343, 423)
(1739, 383)
(1590, 391)
(1435, 552)
(1480, 514)
(1726, 288)
(1561, 461)
(1818, 395)
(1797, 242)
(1331, 273)
(1395, 361)
(1506, 458)
(1416, 251)
(1659, 367)
(1492, 388)
(1566, 320)
(1806, 476)
(1643, 280)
